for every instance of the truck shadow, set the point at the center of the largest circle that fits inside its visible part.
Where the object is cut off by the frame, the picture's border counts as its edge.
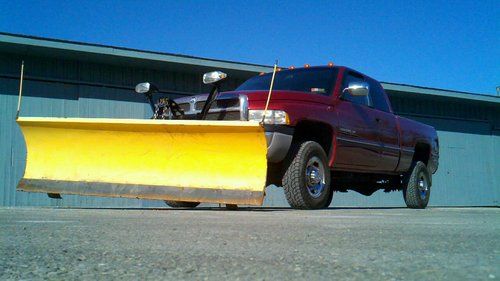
(223, 209)
(288, 209)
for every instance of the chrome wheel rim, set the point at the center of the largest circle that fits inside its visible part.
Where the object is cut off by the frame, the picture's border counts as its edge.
(423, 187)
(315, 177)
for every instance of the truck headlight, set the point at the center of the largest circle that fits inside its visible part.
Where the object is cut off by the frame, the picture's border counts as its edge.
(275, 117)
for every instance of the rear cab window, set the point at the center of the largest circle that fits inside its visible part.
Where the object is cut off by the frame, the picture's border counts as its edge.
(377, 95)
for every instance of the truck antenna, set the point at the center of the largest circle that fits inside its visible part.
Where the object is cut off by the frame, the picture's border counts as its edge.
(270, 92)
(20, 90)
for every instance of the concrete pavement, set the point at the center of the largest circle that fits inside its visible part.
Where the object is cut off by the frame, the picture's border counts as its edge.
(250, 244)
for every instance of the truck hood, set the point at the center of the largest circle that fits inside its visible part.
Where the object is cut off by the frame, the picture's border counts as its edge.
(262, 96)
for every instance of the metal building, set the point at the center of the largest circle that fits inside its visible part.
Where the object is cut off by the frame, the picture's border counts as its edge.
(70, 79)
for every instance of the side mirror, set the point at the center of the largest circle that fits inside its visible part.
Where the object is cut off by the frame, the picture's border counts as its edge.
(357, 89)
(146, 88)
(213, 77)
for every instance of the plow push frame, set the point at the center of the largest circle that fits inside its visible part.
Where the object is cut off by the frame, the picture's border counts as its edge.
(172, 160)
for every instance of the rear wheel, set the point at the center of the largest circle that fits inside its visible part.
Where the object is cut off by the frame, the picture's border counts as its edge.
(417, 186)
(181, 204)
(307, 179)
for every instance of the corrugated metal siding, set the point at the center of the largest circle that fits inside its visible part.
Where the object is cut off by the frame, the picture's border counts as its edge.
(469, 159)
(444, 107)
(468, 171)
(469, 131)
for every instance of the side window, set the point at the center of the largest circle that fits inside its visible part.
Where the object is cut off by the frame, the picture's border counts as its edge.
(350, 78)
(378, 96)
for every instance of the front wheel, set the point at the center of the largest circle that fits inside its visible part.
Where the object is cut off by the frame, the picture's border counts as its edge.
(417, 186)
(181, 204)
(307, 179)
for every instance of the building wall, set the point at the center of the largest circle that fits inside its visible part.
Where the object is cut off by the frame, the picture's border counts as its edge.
(468, 131)
(469, 138)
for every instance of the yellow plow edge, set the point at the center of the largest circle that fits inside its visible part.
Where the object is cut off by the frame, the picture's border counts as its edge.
(178, 160)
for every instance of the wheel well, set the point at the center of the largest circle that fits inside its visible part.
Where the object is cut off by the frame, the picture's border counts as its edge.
(422, 153)
(315, 131)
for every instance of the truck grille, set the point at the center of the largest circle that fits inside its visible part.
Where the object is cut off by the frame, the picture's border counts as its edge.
(234, 108)
(227, 115)
(184, 106)
(219, 104)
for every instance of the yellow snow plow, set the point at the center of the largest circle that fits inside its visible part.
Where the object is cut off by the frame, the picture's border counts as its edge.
(175, 156)
(177, 160)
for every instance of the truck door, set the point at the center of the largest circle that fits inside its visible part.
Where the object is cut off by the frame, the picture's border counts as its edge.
(357, 138)
(386, 127)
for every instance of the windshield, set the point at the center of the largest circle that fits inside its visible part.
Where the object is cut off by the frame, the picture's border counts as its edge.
(311, 80)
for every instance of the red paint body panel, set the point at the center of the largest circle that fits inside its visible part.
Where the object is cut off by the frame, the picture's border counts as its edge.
(365, 139)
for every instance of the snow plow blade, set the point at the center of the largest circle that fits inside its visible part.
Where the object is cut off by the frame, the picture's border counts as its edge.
(178, 160)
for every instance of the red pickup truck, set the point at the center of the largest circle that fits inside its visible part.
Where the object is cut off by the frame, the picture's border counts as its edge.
(331, 129)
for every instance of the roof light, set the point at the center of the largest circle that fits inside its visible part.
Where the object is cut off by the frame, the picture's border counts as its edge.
(291, 67)
(262, 73)
(330, 64)
(307, 65)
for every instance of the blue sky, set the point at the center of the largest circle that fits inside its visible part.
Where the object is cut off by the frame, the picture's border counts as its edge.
(442, 44)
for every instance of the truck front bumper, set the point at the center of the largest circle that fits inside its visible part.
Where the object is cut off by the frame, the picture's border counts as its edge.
(279, 140)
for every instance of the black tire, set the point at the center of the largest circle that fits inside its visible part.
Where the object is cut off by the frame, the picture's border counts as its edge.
(181, 204)
(295, 180)
(417, 186)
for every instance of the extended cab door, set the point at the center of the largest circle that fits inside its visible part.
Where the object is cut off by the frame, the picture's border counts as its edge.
(386, 126)
(357, 137)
